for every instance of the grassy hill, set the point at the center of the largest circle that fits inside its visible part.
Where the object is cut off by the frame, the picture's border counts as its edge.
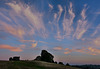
(32, 65)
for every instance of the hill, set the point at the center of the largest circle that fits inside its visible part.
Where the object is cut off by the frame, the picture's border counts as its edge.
(32, 65)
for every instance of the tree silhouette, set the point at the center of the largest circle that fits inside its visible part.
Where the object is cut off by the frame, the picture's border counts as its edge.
(67, 64)
(10, 59)
(61, 63)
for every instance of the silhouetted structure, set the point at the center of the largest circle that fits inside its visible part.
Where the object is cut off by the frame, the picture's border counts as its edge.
(61, 63)
(55, 62)
(16, 58)
(45, 56)
(10, 59)
(67, 64)
(38, 58)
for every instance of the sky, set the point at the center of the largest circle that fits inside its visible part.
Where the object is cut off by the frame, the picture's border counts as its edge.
(69, 29)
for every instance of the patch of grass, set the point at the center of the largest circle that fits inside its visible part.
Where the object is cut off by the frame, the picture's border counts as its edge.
(31, 65)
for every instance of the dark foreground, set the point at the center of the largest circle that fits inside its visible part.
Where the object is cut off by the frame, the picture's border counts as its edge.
(32, 65)
(87, 66)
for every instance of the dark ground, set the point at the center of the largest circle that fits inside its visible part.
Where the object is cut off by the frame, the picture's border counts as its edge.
(32, 65)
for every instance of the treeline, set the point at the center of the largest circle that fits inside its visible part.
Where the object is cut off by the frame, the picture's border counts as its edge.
(87, 66)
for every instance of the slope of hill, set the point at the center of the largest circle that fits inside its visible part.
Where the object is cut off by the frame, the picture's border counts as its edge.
(32, 65)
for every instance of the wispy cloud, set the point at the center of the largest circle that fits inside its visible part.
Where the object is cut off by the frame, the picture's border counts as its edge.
(82, 25)
(25, 41)
(26, 18)
(96, 41)
(88, 50)
(68, 21)
(51, 6)
(55, 16)
(58, 48)
(66, 52)
(43, 42)
(31, 21)
(97, 30)
(93, 51)
(5, 17)
(59, 36)
(58, 15)
(35, 19)
(83, 13)
(13, 30)
(13, 5)
(60, 12)
(22, 46)
(8, 47)
(34, 44)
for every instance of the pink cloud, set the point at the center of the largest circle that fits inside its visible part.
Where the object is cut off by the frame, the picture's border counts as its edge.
(67, 22)
(25, 41)
(51, 6)
(4, 16)
(22, 46)
(8, 47)
(89, 50)
(27, 15)
(58, 48)
(13, 30)
(97, 41)
(93, 51)
(97, 30)
(82, 25)
(67, 52)
(34, 44)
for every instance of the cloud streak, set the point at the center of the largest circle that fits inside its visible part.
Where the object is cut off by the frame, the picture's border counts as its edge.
(24, 19)
(58, 36)
(8, 47)
(34, 44)
(82, 25)
(4, 16)
(60, 12)
(25, 41)
(96, 30)
(68, 21)
(89, 50)
(15, 30)
(96, 41)
(29, 22)
(58, 48)
(51, 6)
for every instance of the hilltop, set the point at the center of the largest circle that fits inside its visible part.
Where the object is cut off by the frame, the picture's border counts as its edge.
(44, 61)
(32, 65)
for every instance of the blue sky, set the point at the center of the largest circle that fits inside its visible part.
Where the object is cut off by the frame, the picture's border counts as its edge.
(69, 29)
